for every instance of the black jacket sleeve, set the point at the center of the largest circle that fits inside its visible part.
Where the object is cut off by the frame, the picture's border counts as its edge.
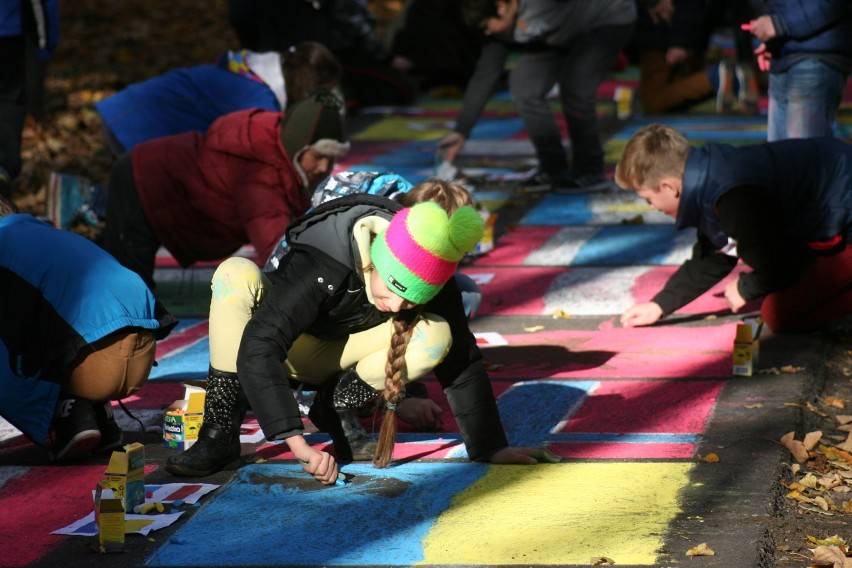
(287, 309)
(746, 214)
(465, 382)
(695, 276)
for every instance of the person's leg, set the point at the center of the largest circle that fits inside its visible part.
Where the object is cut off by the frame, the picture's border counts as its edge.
(356, 367)
(813, 94)
(12, 110)
(237, 288)
(127, 235)
(661, 93)
(584, 68)
(776, 121)
(115, 367)
(529, 82)
(823, 294)
(315, 361)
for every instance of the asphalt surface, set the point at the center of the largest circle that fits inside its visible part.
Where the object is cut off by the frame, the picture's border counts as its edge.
(728, 505)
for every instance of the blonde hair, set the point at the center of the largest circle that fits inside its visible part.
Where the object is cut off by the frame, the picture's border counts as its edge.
(307, 66)
(449, 195)
(395, 370)
(653, 153)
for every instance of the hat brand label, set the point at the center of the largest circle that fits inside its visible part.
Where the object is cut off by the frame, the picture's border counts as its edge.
(397, 284)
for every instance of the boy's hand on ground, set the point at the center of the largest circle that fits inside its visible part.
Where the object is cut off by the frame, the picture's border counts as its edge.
(642, 314)
(732, 295)
(450, 146)
(420, 413)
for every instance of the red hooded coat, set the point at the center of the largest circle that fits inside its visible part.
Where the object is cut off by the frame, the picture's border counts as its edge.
(206, 195)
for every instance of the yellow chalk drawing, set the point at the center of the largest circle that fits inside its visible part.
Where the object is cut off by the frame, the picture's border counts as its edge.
(565, 513)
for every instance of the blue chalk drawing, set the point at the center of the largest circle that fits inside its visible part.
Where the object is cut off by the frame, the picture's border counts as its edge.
(274, 514)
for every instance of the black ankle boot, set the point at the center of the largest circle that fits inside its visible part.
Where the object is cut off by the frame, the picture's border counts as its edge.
(219, 437)
(335, 411)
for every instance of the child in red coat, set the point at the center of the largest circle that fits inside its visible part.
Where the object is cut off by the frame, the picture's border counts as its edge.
(203, 196)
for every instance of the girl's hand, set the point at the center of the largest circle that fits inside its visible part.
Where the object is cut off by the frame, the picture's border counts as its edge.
(525, 456)
(319, 464)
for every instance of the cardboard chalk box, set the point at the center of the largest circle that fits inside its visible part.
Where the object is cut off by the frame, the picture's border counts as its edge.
(183, 419)
(109, 514)
(125, 475)
(746, 354)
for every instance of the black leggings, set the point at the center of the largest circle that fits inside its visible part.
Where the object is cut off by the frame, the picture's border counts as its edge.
(128, 236)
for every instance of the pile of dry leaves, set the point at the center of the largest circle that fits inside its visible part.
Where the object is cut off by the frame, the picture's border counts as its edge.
(821, 473)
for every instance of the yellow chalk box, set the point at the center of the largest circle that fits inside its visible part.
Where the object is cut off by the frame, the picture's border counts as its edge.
(746, 354)
(109, 514)
(183, 419)
(125, 475)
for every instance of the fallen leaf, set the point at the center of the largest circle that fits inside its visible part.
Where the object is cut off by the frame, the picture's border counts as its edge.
(832, 554)
(834, 540)
(561, 314)
(534, 328)
(834, 402)
(846, 446)
(811, 439)
(601, 561)
(821, 503)
(711, 458)
(756, 405)
(700, 550)
(797, 448)
(791, 369)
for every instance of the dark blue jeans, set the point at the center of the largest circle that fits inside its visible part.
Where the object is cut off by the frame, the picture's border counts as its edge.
(578, 69)
(803, 100)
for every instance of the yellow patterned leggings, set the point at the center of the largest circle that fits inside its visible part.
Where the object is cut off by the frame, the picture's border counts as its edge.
(238, 288)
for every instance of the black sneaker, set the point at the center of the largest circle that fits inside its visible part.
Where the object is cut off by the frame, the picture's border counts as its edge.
(542, 181)
(111, 433)
(75, 430)
(583, 184)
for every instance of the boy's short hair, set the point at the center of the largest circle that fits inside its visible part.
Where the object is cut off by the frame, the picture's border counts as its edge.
(654, 152)
(474, 12)
(449, 195)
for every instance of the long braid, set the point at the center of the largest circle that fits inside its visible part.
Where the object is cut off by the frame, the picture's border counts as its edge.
(395, 370)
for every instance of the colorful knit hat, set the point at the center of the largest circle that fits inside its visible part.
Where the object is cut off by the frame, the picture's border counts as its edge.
(315, 121)
(421, 248)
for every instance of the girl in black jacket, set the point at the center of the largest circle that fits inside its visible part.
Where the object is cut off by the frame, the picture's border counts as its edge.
(363, 303)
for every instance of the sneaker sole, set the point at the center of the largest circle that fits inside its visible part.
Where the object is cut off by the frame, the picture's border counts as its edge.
(185, 472)
(594, 188)
(80, 446)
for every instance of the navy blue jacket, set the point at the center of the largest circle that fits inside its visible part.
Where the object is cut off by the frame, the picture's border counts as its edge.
(781, 202)
(810, 28)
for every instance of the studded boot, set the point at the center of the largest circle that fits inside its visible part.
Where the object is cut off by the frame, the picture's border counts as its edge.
(335, 411)
(219, 436)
